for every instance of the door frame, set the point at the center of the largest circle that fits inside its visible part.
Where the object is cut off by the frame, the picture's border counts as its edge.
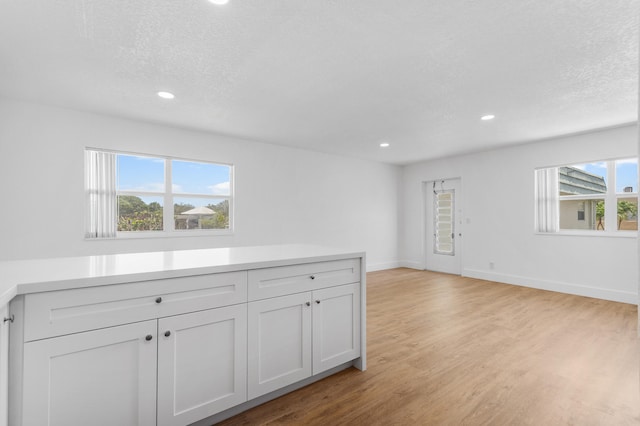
(427, 215)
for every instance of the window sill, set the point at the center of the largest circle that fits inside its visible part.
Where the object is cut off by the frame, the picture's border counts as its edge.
(162, 234)
(597, 234)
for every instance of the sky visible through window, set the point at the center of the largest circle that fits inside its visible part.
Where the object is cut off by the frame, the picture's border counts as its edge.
(626, 172)
(146, 174)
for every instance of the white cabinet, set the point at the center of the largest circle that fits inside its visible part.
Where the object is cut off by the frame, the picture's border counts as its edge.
(108, 376)
(202, 360)
(176, 346)
(103, 377)
(4, 364)
(283, 280)
(91, 353)
(336, 326)
(61, 312)
(279, 342)
(293, 337)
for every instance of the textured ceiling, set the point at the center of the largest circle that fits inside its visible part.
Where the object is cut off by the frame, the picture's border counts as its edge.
(337, 76)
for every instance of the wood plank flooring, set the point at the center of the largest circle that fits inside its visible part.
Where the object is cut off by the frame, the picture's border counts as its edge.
(446, 350)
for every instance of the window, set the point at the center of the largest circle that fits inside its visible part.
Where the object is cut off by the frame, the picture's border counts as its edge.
(130, 194)
(443, 222)
(597, 196)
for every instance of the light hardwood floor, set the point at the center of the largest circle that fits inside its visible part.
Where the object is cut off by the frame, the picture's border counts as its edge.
(446, 350)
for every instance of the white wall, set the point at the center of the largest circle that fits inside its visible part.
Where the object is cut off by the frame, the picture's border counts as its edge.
(283, 195)
(287, 195)
(498, 201)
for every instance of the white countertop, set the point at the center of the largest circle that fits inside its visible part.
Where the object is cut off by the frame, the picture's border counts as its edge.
(34, 276)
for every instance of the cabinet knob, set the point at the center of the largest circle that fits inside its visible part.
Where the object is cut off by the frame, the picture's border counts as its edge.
(313, 277)
(308, 303)
(148, 337)
(318, 302)
(167, 333)
(158, 299)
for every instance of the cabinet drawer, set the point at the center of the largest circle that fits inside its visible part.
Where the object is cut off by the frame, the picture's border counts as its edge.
(278, 281)
(70, 311)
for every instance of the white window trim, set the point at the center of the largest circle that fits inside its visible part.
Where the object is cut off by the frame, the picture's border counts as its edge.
(168, 197)
(609, 197)
(590, 233)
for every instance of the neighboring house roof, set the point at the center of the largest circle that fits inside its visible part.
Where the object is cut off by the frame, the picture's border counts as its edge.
(573, 181)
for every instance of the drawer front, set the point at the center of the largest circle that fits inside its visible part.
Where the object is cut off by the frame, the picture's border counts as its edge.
(279, 281)
(70, 311)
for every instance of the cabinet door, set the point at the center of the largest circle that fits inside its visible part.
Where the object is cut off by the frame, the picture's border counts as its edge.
(279, 342)
(202, 360)
(336, 326)
(4, 365)
(102, 377)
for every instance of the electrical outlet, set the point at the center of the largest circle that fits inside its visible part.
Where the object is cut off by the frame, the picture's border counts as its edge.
(492, 265)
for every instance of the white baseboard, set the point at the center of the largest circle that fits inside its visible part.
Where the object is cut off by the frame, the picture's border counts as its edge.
(557, 286)
(381, 266)
(561, 287)
(411, 264)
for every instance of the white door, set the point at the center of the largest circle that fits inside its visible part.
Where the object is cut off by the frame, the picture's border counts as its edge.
(202, 358)
(102, 377)
(443, 224)
(336, 326)
(279, 342)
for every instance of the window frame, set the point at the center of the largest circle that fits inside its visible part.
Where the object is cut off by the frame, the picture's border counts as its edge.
(168, 197)
(436, 221)
(610, 198)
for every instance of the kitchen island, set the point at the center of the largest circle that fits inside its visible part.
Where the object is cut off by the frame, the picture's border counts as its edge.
(174, 338)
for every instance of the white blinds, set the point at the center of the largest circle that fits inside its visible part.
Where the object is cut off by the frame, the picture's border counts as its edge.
(547, 192)
(100, 186)
(443, 219)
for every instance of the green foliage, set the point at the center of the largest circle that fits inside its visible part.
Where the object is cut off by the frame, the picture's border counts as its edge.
(626, 210)
(600, 210)
(180, 208)
(600, 215)
(220, 208)
(221, 219)
(129, 205)
(136, 215)
(155, 206)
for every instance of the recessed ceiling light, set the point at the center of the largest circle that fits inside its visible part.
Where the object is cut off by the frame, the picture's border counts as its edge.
(384, 145)
(219, 2)
(487, 117)
(166, 95)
